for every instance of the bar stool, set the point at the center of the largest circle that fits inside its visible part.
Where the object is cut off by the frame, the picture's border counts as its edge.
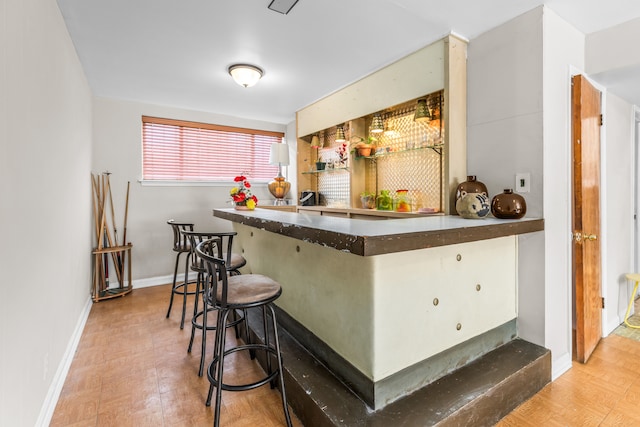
(221, 244)
(181, 246)
(634, 277)
(230, 293)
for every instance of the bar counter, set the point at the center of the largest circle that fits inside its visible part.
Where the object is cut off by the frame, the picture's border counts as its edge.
(366, 237)
(389, 306)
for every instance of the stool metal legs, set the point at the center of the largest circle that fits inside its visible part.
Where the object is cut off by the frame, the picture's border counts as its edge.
(181, 288)
(216, 368)
(202, 316)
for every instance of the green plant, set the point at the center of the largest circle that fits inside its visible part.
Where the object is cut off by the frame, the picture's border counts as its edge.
(385, 201)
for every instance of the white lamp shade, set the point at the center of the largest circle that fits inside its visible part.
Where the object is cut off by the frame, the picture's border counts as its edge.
(245, 75)
(279, 154)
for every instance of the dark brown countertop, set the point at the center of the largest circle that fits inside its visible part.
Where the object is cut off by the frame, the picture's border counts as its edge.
(365, 238)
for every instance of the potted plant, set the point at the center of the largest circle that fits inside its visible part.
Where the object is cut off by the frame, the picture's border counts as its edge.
(320, 164)
(368, 200)
(365, 146)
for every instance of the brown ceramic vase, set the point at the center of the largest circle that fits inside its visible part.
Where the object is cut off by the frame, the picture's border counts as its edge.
(471, 185)
(508, 205)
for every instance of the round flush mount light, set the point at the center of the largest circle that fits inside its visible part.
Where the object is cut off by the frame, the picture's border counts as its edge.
(245, 75)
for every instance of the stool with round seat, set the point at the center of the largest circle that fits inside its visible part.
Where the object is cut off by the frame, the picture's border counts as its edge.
(242, 292)
(181, 246)
(221, 244)
(634, 277)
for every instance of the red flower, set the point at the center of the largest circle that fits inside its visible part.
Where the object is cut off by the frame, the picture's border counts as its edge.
(255, 199)
(240, 178)
(247, 185)
(239, 197)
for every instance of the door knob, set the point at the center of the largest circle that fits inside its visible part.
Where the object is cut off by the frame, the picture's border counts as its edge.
(590, 237)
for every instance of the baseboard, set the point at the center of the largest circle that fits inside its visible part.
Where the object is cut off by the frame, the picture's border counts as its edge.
(612, 325)
(154, 281)
(560, 365)
(51, 400)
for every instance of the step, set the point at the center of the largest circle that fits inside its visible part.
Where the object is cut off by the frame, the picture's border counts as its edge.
(479, 394)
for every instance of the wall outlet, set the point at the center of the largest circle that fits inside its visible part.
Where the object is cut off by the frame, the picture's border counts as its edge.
(523, 183)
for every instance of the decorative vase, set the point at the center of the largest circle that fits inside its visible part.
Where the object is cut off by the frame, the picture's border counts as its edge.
(508, 205)
(471, 185)
(320, 165)
(473, 205)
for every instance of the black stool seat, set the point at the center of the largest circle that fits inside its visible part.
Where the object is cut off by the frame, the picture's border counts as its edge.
(229, 294)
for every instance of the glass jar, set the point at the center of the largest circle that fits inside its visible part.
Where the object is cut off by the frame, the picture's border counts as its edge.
(384, 202)
(402, 201)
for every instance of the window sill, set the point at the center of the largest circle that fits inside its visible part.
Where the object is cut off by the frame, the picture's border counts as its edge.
(158, 183)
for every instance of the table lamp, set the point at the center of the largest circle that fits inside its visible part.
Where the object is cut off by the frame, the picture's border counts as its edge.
(279, 187)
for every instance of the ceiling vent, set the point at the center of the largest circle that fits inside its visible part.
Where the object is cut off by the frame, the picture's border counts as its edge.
(282, 6)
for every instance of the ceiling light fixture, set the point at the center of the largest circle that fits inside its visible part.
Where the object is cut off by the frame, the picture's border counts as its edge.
(340, 133)
(377, 126)
(282, 6)
(422, 113)
(245, 75)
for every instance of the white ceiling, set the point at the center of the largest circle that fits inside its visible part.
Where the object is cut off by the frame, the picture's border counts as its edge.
(177, 53)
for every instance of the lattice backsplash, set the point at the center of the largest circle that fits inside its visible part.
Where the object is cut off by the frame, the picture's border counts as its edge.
(409, 156)
(411, 163)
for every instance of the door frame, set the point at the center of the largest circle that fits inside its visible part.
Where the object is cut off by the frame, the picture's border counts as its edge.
(635, 149)
(635, 244)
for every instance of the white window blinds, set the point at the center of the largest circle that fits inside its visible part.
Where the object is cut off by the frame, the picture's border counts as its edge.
(176, 150)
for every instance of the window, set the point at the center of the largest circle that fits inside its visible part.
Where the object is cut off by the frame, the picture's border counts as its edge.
(176, 150)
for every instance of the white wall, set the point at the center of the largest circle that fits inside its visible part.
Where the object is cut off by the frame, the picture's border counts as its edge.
(563, 51)
(45, 153)
(520, 121)
(505, 137)
(606, 52)
(613, 48)
(117, 148)
(618, 210)
(505, 107)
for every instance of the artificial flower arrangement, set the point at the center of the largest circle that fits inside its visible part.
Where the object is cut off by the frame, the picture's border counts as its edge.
(241, 195)
(342, 153)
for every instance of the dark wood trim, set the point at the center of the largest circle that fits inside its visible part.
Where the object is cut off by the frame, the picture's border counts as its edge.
(209, 126)
(382, 244)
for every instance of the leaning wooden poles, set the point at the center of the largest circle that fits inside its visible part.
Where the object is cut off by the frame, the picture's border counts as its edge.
(108, 247)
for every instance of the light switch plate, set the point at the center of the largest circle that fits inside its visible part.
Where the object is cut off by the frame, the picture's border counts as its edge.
(523, 183)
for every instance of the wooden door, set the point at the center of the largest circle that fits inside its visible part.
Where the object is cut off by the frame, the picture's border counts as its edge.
(586, 122)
